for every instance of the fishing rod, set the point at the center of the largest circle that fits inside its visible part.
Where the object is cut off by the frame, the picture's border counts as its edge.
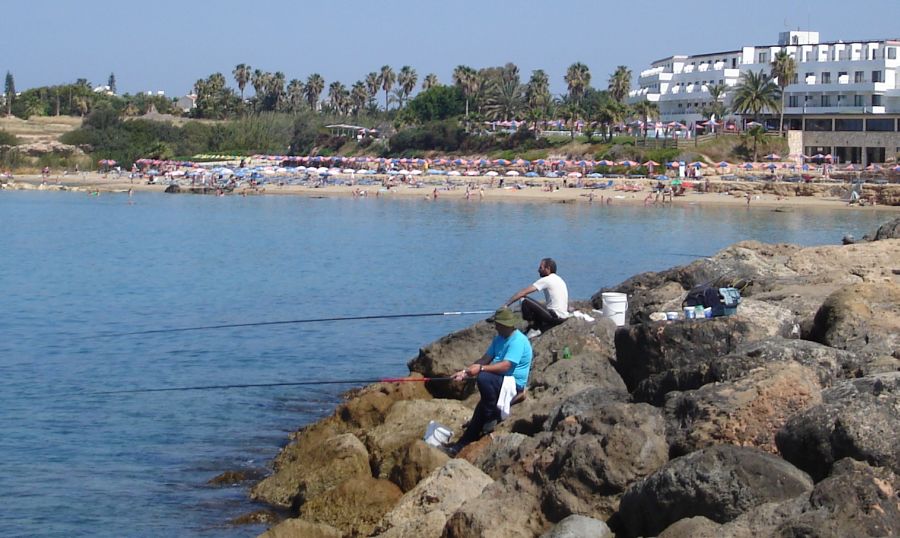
(294, 321)
(285, 384)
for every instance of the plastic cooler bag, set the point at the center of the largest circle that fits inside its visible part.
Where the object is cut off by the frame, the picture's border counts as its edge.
(722, 301)
(436, 434)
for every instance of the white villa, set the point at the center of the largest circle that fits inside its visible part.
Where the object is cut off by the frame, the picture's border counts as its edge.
(845, 98)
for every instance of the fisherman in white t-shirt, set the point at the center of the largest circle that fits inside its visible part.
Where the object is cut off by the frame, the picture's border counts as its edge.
(556, 296)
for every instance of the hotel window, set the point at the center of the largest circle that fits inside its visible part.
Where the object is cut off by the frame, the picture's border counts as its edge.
(876, 100)
(891, 53)
(826, 77)
(848, 124)
(763, 57)
(841, 74)
(826, 100)
(880, 125)
(841, 100)
(812, 76)
(793, 101)
(818, 125)
(858, 77)
(877, 76)
(858, 100)
(806, 55)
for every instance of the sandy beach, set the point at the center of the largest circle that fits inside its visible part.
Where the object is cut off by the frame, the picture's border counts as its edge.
(733, 193)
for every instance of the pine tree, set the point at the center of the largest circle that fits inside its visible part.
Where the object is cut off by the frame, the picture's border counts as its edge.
(10, 91)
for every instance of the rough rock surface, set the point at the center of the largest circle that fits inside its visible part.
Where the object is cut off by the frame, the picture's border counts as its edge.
(406, 422)
(579, 527)
(355, 506)
(423, 511)
(298, 528)
(719, 483)
(451, 354)
(415, 461)
(507, 508)
(333, 461)
(746, 412)
(859, 419)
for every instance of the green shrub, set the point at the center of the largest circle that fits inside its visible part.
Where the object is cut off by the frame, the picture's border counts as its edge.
(8, 139)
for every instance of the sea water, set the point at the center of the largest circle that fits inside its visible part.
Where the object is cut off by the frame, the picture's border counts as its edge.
(74, 268)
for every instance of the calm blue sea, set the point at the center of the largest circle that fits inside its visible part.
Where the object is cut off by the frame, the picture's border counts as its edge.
(73, 267)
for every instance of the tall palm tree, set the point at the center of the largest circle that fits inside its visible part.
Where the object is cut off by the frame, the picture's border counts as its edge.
(756, 135)
(388, 77)
(407, 80)
(620, 83)
(276, 89)
(468, 81)
(373, 84)
(504, 98)
(646, 111)
(336, 93)
(295, 94)
(359, 96)
(717, 108)
(578, 78)
(430, 81)
(315, 84)
(260, 82)
(241, 77)
(755, 93)
(784, 68)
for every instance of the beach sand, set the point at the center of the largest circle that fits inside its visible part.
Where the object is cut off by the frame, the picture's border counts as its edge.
(731, 192)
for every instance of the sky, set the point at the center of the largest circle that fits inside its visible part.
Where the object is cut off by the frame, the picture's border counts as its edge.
(167, 45)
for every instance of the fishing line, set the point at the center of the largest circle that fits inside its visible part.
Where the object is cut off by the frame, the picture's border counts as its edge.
(292, 321)
(284, 384)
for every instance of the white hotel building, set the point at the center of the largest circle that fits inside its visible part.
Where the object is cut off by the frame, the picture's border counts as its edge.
(845, 99)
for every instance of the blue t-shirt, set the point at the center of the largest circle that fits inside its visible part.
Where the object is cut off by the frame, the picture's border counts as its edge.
(515, 349)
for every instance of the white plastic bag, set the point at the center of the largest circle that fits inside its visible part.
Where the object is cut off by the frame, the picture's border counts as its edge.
(436, 434)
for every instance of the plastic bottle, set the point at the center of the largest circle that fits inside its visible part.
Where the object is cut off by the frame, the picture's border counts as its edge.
(567, 354)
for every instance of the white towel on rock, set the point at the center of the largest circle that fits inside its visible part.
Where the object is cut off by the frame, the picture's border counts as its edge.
(507, 393)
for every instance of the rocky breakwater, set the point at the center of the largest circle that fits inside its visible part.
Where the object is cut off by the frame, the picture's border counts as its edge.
(782, 419)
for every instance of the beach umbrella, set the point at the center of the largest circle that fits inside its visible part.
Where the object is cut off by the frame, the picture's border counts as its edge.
(828, 157)
(772, 157)
(471, 172)
(651, 163)
(873, 166)
(676, 181)
(491, 173)
(512, 173)
(561, 163)
(772, 166)
(459, 162)
(698, 164)
(106, 162)
(531, 174)
(501, 162)
(604, 162)
(896, 168)
(540, 162)
(850, 167)
(484, 162)
(674, 164)
(453, 173)
(594, 175)
(723, 164)
(748, 166)
(754, 124)
(574, 174)
(628, 163)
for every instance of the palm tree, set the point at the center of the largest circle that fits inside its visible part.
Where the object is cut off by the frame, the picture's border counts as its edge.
(468, 81)
(336, 93)
(430, 81)
(754, 93)
(241, 77)
(295, 94)
(646, 111)
(373, 84)
(260, 81)
(314, 86)
(504, 99)
(717, 108)
(276, 89)
(407, 80)
(570, 110)
(387, 82)
(82, 104)
(620, 83)
(359, 96)
(578, 78)
(784, 68)
(755, 134)
(9, 91)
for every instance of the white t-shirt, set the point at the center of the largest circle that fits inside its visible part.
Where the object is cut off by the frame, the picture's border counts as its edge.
(556, 294)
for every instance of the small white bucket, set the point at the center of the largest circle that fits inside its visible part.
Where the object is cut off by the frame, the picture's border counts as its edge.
(436, 434)
(614, 307)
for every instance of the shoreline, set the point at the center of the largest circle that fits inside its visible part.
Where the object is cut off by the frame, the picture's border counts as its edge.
(725, 193)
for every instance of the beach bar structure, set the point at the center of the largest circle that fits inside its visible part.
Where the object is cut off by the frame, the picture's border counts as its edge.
(844, 100)
(351, 131)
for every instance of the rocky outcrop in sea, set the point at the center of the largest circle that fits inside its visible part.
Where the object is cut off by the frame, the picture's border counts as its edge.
(781, 420)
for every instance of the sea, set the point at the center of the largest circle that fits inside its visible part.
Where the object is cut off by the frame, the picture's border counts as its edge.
(77, 271)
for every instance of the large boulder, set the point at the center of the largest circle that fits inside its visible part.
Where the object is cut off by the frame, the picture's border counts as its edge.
(368, 406)
(406, 422)
(502, 452)
(744, 412)
(576, 526)
(555, 378)
(423, 511)
(594, 453)
(864, 318)
(859, 419)
(828, 363)
(416, 461)
(719, 483)
(355, 506)
(856, 500)
(888, 230)
(298, 528)
(507, 508)
(652, 348)
(314, 471)
(451, 354)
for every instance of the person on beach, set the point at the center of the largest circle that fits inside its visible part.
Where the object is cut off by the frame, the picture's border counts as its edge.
(556, 295)
(509, 355)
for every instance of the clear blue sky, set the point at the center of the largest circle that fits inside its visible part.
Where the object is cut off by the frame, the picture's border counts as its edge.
(167, 45)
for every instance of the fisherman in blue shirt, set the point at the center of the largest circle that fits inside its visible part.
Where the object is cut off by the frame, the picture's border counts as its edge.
(508, 355)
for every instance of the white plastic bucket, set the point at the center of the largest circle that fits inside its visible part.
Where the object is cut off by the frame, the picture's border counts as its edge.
(437, 434)
(614, 307)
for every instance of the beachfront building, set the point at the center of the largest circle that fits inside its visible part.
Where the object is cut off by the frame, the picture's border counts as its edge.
(845, 99)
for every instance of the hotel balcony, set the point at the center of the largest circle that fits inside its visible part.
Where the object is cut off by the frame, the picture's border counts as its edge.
(843, 109)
